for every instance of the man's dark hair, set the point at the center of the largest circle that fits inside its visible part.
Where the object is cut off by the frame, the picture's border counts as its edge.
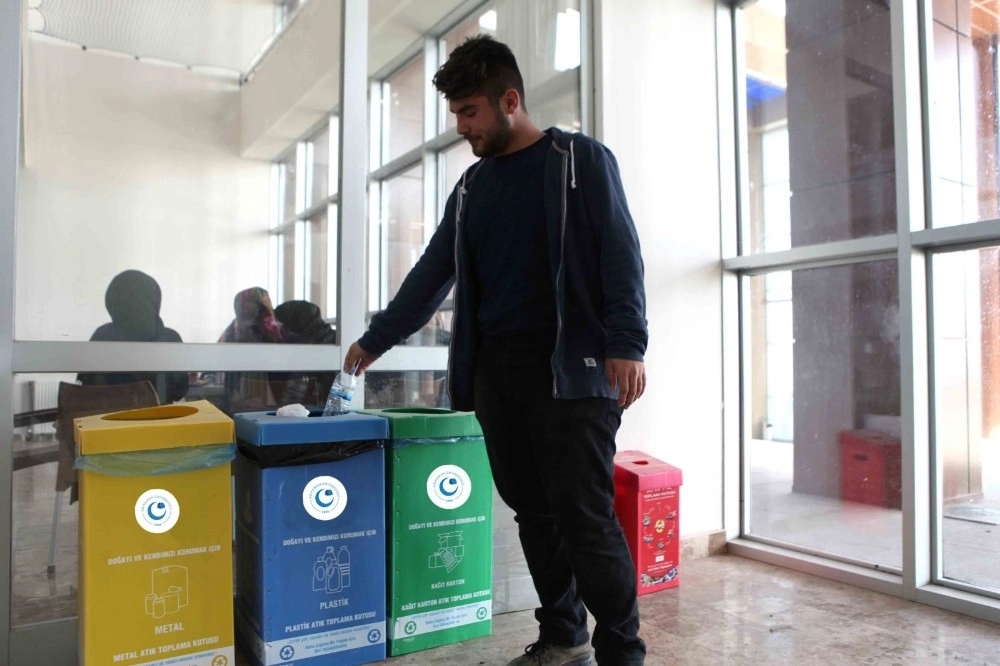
(480, 66)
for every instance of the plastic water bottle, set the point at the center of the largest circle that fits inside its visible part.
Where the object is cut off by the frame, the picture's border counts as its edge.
(341, 393)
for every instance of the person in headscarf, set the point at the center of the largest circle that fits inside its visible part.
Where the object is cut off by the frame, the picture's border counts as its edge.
(133, 300)
(255, 321)
(304, 320)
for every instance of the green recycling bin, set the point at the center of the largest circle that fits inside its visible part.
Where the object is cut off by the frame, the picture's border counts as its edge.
(439, 529)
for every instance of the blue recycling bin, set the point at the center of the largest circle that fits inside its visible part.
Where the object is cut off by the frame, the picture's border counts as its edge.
(310, 538)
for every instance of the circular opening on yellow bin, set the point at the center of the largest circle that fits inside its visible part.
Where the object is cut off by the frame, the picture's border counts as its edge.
(152, 413)
(416, 410)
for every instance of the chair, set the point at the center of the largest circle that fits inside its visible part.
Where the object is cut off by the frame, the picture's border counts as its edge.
(75, 401)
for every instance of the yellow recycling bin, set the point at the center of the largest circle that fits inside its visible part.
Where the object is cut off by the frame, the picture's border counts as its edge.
(156, 573)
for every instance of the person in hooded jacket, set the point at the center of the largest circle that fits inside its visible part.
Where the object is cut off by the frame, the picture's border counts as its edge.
(548, 341)
(133, 300)
(305, 320)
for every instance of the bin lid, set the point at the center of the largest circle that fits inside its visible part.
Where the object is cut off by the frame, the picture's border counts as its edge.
(166, 427)
(637, 471)
(267, 429)
(428, 423)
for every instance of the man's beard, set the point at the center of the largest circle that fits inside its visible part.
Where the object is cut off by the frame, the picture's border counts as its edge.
(497, 140)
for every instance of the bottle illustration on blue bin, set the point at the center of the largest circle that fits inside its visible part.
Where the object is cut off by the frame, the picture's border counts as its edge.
(332, 571)
(342, 392)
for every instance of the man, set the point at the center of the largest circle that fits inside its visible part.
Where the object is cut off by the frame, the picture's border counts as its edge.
(548, 340)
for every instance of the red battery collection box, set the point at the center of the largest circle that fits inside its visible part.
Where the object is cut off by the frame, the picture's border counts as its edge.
(647, 502)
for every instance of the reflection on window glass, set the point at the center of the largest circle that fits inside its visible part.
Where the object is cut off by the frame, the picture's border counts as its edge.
(824, 447)
(403, 95)
(420, 388)
(320, 167)
(966, 436)
(964, 112)
(819, 145)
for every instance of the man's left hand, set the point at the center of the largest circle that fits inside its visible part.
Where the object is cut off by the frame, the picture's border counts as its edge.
(628, 376)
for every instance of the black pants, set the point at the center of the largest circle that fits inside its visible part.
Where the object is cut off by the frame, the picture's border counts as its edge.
(553, 464)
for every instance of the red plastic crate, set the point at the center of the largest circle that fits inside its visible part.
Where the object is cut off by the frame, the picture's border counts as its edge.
(871, 468)
(647, 502)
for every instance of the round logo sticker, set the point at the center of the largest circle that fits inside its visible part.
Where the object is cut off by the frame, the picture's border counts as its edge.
(157, 510)
(324, 498)
(449, 486)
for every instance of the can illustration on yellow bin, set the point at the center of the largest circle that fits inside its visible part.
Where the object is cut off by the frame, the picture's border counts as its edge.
(156, 577)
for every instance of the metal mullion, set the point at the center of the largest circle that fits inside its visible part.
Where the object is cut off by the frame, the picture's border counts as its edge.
(975, 233)
(353, 185)
(811, 256)
(11, 16)
(742, 153)
(975, 604)
(431, 96)
(457, 16)
(396, 65)
(45, 356)
(317, 207)
(587, 59)
(735, 379)
(907, 80)
(403, 163)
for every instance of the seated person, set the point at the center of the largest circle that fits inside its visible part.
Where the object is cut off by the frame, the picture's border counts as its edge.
(133, 301)
(255, 322)
(305, 320)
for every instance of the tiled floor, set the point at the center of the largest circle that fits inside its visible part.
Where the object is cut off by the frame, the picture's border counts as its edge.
(730, 610)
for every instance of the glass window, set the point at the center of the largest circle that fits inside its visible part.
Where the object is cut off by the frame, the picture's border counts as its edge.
(963, 112)
(154, 183)
(403, 229)
(966, 372)
(824, 447)
(322, 256)
(545, 38)
(320, 149)
(484, 21)
(290, 180)
(419, 388)
(44, 589)
(403, 97)
(819, 139)
(287, 264)
(454, 161)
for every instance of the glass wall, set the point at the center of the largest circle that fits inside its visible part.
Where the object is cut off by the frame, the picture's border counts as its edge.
(410, 194)
(828, 440)
(825, 377)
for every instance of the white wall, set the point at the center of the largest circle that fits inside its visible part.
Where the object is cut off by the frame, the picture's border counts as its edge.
(657, 110)
(133, 165)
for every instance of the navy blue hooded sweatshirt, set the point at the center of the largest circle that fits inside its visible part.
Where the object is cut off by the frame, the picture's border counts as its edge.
(596, 270)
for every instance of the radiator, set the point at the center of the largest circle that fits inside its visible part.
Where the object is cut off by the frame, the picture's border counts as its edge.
(42, 394)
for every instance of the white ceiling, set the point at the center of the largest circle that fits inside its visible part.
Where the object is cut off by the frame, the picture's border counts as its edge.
(206, 33)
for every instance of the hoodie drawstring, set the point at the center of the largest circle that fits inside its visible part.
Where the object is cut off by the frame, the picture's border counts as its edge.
(572, 167)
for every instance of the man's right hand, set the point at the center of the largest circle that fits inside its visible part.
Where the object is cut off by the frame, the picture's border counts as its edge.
(357, 355)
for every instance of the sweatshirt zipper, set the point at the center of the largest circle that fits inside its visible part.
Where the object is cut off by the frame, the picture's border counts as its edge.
(561, 268)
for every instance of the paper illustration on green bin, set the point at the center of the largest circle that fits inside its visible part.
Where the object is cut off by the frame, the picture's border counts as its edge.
(332, 571)
(170, 591)
(449, 553)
